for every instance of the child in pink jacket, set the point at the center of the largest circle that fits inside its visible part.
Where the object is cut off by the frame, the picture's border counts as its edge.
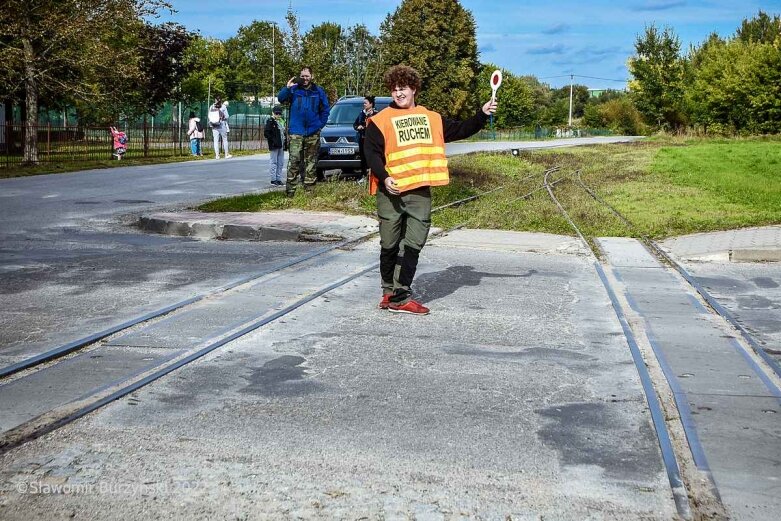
(120, 142)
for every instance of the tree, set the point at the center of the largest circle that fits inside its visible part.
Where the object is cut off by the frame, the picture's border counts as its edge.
(555, 114)
(541, 93)
(205, 59)
(162, 65)
(253, 56)
(63, 46)
(580, 97)
(737, 88)
(618, 114)
(323, 50)
(436, 37)
(515, 97)
(658, 72)
(760, 29)
(293, 38)
(363, 70)
(249, 56)
(608, 95)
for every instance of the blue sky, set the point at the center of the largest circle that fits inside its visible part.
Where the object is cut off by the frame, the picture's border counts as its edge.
(548, 39)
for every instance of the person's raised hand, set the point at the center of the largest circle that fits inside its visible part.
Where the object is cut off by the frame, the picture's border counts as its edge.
(390, 186)
(292, 81)
(490, 107)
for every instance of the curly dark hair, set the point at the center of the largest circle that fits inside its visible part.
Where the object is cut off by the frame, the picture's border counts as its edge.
(402, 76)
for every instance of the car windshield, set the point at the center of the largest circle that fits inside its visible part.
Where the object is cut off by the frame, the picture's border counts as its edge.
(344, 113)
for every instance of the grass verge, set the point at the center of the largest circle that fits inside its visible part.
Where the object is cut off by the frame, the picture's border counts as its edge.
(20, 170)
(665, 186)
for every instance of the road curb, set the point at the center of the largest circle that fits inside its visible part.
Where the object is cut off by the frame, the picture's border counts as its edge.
(215, 230)
(755, 255)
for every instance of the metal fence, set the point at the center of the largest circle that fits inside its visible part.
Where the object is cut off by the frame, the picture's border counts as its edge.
(168, 113)
(58, 144)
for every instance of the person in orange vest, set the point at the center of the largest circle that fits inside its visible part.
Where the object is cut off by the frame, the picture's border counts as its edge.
(405, 150)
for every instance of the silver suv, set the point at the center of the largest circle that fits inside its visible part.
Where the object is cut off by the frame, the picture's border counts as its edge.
(339, 140)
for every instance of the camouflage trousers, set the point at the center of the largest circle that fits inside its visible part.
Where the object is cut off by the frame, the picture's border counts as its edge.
(303, 156)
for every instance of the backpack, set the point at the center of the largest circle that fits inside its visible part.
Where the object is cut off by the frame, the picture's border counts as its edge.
(198, 126)
(214, 117)
(122, 139)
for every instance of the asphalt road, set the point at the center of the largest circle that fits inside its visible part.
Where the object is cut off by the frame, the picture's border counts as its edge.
(516, 396)
(71, 265)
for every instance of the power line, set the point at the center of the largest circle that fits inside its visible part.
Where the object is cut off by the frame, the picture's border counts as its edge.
(581, 76)
(596, 78)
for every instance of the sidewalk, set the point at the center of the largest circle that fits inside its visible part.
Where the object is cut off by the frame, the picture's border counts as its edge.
(760, 244)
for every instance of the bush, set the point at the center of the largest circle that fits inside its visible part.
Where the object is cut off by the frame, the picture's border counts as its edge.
(619, 115)
(592, 116)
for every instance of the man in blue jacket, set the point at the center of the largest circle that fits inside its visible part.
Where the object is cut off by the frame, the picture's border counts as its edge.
(309, 111)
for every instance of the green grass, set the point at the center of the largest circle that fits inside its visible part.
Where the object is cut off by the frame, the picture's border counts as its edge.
(665, 186)
(702, 186)
(346, 197)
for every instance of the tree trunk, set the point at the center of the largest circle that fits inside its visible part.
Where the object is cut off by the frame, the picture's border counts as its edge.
(31, 103)
(9, 128)
(146, 137)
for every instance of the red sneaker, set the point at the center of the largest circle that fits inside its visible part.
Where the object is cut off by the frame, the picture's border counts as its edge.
(412, 307)
(385, 301)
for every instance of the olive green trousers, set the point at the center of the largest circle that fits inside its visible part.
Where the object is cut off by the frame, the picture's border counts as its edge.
(405, 221)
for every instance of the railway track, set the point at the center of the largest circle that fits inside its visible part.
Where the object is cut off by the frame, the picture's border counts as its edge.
(669, 456)
(56, 352)
(95, 344)
(675, 461)
(692, 481)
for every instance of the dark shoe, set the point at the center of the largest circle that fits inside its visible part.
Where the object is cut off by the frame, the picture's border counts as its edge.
(290, 194)
(385, 301)
(412, 307)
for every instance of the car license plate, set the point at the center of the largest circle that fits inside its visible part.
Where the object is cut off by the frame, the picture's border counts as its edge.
(341, 151)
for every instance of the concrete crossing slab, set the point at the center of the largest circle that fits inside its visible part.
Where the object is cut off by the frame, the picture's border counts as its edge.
(722, 395)
(24, 399)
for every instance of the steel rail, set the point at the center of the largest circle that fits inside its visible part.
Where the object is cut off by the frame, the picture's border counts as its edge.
(677, 485)
(60, 351)
(522, 197)
(75, 345)
(65, 414)
(712, 302)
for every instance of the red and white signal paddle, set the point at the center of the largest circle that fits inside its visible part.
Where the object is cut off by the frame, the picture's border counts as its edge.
(496, 81)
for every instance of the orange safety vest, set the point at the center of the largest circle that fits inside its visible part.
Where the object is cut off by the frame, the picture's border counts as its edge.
(414, 148)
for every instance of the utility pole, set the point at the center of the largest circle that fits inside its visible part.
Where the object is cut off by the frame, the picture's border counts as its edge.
(273, 62)
(273, 25)
(571, 81)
